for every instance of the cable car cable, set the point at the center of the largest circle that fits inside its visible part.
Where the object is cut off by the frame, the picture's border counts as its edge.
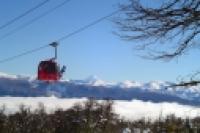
(23, 14)
(34, 19)
(62, 38)
(23, 54)
(87, 26)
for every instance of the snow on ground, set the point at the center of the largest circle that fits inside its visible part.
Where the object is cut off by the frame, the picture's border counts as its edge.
(130, 110)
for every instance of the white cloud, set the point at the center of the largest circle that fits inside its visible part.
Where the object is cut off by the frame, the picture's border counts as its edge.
(137, 109)
(131, 110)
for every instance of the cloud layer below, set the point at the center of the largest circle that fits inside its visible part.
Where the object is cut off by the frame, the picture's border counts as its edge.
(130, 110)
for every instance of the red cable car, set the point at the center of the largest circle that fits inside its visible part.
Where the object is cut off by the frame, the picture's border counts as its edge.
(49, 70)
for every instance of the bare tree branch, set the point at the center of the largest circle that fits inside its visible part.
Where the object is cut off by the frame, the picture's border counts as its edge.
(173, 19)
(163, 31)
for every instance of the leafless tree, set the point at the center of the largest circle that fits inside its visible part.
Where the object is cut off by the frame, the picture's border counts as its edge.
(166, 28)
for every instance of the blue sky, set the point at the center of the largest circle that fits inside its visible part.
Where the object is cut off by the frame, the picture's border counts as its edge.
(95, 51)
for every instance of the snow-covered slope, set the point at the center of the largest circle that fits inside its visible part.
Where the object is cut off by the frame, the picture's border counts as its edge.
(155, 91)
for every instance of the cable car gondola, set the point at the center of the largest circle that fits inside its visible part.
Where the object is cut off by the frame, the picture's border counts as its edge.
(49, 70)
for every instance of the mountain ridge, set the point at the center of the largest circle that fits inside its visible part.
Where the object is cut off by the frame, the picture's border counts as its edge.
(155, 91)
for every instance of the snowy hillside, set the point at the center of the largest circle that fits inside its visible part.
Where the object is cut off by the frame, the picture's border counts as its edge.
(155, 91)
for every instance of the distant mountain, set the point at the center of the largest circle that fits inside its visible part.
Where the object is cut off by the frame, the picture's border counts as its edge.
(155, 91)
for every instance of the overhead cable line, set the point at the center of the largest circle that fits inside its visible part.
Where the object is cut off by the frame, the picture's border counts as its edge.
(24, 53)
(33, 20)
(62, 38)
(23, 14)
(87, 26)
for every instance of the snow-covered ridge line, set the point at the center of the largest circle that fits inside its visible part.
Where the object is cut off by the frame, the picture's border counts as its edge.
(154, 91)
